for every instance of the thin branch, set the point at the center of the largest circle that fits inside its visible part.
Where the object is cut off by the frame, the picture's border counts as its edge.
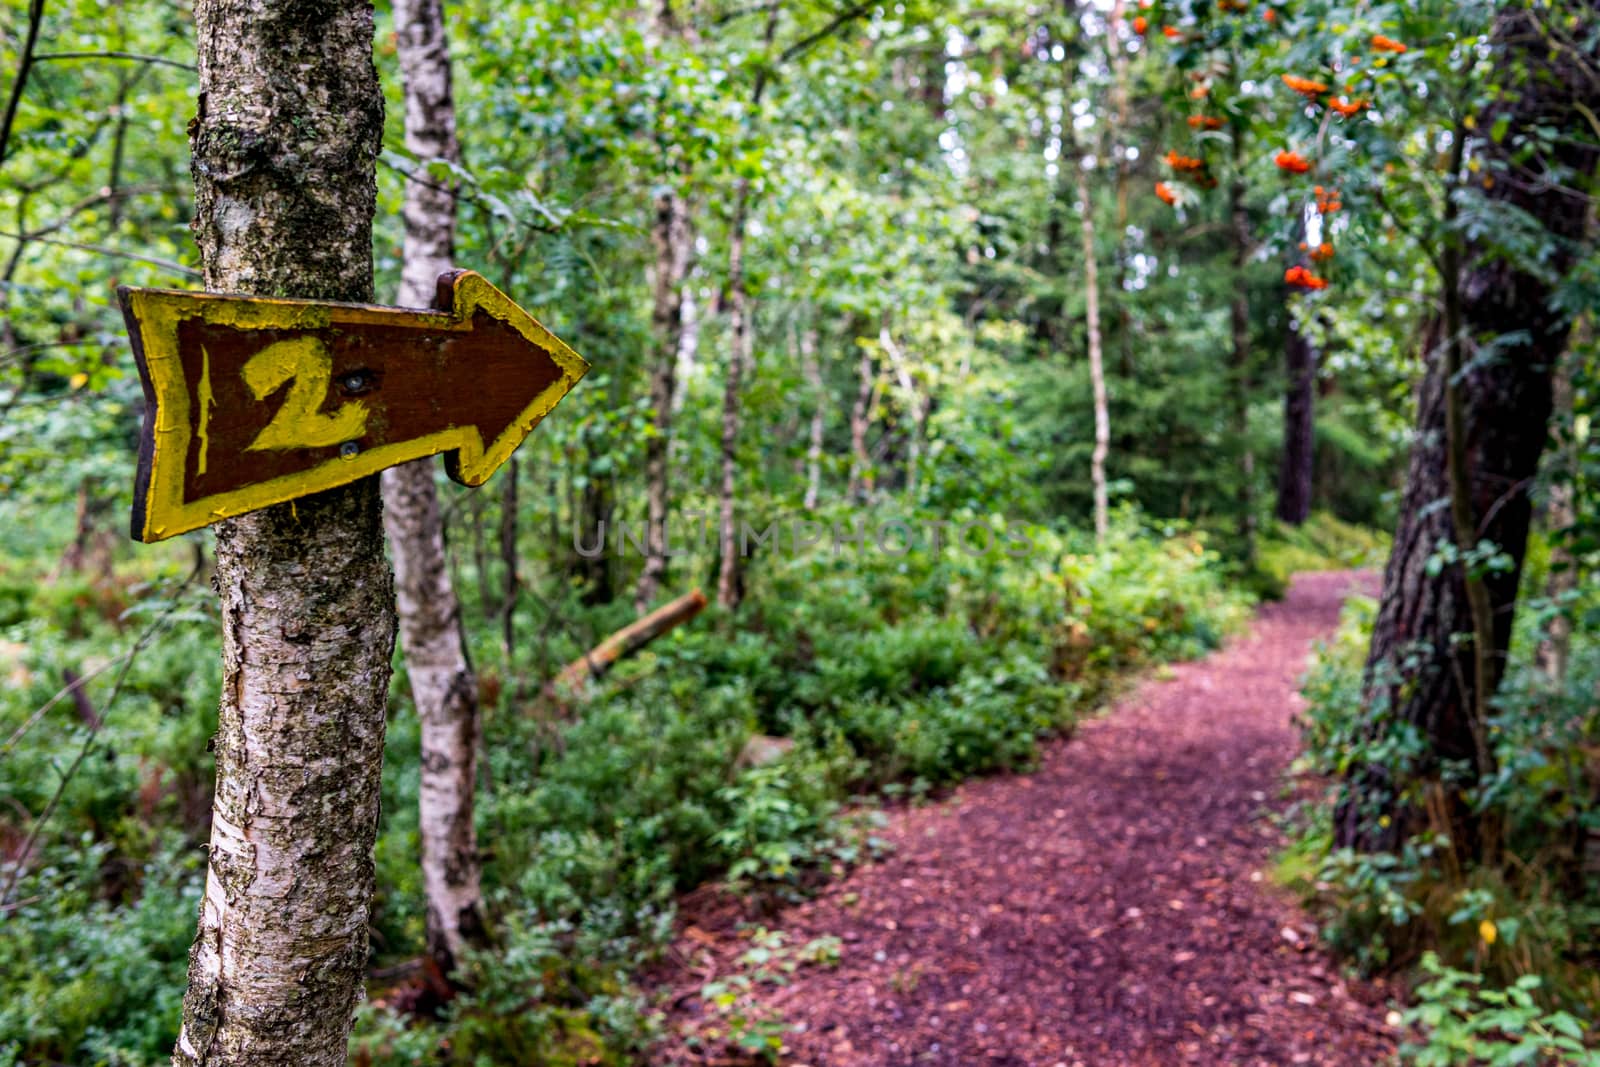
(811, 40)
(35, 18)
(154, 261)
(23, 350)
(132, 57)
(1406, 228)
(68, 690)
(144, 639)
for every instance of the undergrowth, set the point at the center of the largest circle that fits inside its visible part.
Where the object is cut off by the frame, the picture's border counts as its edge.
(1504, 953)
(893, 676)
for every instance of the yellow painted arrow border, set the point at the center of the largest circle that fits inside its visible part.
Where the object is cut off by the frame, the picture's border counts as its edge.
(153, 317)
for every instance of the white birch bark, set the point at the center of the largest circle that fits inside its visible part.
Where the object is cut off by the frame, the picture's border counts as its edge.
(285, 146)
(443, 685)
(729, 591)
(1097, 371)
(671, 236)
(862, 483)
(812, 370)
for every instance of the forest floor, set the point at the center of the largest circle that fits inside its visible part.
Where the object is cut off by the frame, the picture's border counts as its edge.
(1112, 907)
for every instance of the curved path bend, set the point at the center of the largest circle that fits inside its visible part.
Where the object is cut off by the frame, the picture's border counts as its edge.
(1111, 908)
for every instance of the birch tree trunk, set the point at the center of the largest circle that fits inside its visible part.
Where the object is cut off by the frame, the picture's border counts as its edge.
(285, 146)
(915, 400)
(1560, 514)
(671, 236)
(443, 685)
(729, 591)
(730, 583)
(672, 239)
(1097, 372)
(862, 482)
(812, 371)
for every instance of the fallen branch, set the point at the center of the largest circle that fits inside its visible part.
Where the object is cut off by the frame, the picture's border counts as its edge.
(597, 661)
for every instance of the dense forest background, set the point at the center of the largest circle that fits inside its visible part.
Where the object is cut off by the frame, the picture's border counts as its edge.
(1156, 284)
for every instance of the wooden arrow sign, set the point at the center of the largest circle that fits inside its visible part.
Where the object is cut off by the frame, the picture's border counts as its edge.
(253, 401)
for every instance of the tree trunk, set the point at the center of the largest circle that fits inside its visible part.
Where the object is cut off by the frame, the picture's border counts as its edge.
(862, 482)
(592, 519)
(915, 400)
(1119, 160)
(598, 661)
(443, 685)
(510, 579)
(672, 238)
(1419, 670)
(812, 371)
(1097, 373)
(1295, 474)
(285, 149)
(1560, 514)
(729, 580)
(1239, 363)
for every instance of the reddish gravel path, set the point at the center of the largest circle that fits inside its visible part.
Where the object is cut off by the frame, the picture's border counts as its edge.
(1108, 909)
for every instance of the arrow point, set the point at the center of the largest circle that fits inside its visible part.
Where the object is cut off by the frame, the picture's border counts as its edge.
(466, 294)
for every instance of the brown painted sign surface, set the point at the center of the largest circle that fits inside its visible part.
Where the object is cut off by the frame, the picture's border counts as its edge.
(252, 401)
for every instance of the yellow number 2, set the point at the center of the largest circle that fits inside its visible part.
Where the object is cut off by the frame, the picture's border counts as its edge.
(298, 423)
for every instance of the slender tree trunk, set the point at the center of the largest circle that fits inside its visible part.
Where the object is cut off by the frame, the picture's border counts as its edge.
(1296, 472)
(729, 580)
(510, 579)
(1464, 526)
(688, 342)
(671, 237)
(914, 400)
(1239, 363)
(1560, 514)
(1119, 161)
(285, 149)
(1419, 670)
(593, 521)
(1097, 372)
(812, 371)
(443, 685)
(862, 482)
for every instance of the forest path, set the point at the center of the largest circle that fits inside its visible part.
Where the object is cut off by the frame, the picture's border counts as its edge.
(1110, 908)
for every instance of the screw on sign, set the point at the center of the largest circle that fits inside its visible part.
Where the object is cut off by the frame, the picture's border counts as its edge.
(253, 401)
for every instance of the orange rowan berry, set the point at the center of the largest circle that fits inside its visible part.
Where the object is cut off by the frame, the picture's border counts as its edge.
(1309, 88)
(1292, 162)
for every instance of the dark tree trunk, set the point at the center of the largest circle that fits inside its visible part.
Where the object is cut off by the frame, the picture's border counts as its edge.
(1239, 357)
(1422, 668)
(1299, 429)
(595, 509)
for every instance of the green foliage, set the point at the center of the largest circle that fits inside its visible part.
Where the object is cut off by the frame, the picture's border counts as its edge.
(1468, 1024)
(100, 980)
(1525, 923)
(913, 211)
(894, 674)
(1323, 542)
